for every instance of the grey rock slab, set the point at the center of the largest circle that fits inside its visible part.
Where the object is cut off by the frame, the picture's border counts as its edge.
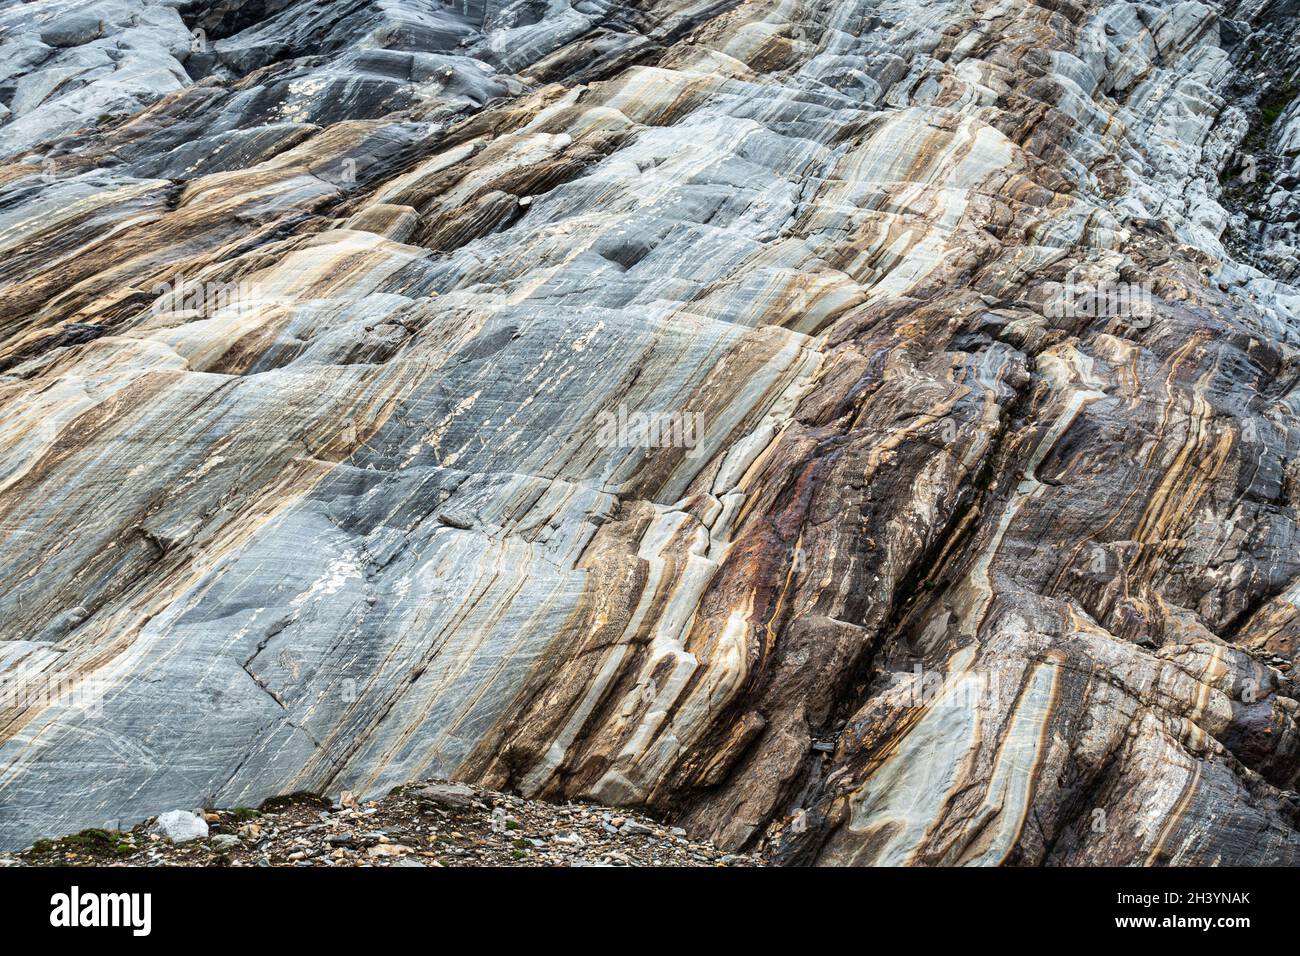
(447, 794)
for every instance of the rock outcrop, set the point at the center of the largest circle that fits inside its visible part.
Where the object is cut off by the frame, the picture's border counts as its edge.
(860, 428)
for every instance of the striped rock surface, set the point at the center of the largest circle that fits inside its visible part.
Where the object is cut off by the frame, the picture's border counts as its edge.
(667, 403)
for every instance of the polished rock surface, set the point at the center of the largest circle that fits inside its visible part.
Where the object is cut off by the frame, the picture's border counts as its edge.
(665, 404)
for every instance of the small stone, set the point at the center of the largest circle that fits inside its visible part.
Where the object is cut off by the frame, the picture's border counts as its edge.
(447, 794)
(633, 828)
(456, 519)
(225, 841)
(181, 826)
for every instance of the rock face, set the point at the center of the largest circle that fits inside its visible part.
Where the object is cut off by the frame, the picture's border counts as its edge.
(865, 430)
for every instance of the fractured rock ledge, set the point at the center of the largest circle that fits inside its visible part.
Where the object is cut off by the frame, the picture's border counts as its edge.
(315, 319)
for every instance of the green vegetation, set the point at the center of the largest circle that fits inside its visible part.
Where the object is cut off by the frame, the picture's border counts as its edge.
(93, 840)
(1275, 103)
(301, 798)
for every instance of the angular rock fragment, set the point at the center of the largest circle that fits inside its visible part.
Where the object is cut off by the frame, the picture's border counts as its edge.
(181, 826)
(446, 794)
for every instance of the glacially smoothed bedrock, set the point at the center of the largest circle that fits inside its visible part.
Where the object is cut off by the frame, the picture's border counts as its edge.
(687, 405)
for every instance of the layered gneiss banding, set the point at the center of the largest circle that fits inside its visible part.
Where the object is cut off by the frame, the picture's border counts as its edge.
(921, 564)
